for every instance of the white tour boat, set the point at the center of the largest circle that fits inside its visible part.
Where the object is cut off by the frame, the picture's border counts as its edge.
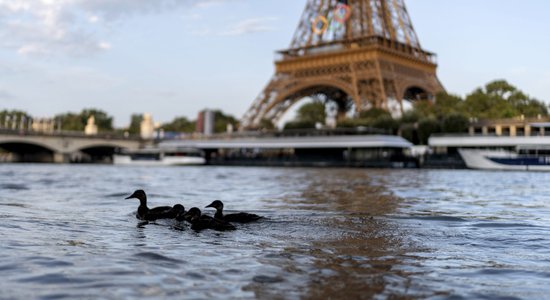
(160, 157)
(525, 158)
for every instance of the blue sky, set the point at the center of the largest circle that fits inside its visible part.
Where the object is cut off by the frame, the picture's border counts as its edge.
(176, 57)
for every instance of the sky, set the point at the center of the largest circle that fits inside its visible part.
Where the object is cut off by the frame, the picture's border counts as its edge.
(176, 57)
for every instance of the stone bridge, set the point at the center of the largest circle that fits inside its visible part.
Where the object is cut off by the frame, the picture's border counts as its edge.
(61, 148)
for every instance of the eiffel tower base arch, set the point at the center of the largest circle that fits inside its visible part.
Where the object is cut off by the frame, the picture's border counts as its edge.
(375, 76)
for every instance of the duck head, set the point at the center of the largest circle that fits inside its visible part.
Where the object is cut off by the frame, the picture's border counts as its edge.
(193, 214)
(178, 209)
(217, 204)
(138, 194)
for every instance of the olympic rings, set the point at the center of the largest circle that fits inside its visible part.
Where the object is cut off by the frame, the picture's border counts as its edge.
(320, 20)
(341, 13)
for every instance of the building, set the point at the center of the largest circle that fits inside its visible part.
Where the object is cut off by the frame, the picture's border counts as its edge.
(510, 127)
(206, 121)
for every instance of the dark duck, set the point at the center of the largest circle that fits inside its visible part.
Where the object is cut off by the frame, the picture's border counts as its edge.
(241, 217)
(146, 213)
(172, 213)
(200, 222)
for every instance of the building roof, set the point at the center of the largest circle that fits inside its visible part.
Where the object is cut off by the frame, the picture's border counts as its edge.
(312, 142)
(487, 141)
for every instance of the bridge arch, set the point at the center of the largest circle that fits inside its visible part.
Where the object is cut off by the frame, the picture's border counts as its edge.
(63, 148)
(97, 153)
(99, 144)
(25, 151)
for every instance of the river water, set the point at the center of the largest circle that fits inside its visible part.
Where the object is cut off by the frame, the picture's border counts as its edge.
(67, 232)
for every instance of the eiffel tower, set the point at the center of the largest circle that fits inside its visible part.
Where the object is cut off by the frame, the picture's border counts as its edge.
(358, 54)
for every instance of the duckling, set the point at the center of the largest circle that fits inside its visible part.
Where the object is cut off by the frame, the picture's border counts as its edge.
(143, 210)
(172, 213)
(241, 217)
(200, 222)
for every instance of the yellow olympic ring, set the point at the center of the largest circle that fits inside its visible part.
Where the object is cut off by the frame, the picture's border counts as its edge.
(316, 21)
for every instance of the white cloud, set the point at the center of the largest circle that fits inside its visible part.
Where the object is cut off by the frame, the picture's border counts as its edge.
(49, 27)
(209, 3)
(104, 45)
(77, 27)
(93, 19)
(251, 25)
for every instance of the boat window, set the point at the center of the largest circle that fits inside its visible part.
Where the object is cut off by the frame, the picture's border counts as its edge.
(145, 156)
(181, 154)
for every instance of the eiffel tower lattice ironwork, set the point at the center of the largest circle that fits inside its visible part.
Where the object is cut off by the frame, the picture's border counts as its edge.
(357, 53)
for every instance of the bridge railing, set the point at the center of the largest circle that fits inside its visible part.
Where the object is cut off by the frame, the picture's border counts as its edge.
(73, 134)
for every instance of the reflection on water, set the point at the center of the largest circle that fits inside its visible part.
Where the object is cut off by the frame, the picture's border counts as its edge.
(328, 233)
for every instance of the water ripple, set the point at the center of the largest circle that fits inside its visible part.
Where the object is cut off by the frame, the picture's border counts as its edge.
(328, 233)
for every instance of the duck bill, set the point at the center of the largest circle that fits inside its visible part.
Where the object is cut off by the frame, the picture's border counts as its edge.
(130, 197)
(210, 205)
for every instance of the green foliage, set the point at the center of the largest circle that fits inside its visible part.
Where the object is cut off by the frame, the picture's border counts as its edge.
(180, 124)
(313, 112)
(386, 122)
(353, 123)
(222, 120)
(299, 125)
(307, 116)
(11, 115)
(70, 121)
(499, 100)
(411, 116)
(427, 127)
(374, 113)
(266, 124)
(409, 132)
(135, 124)
(77, 122)
(103, 121)
(447, 104)
(455, 123)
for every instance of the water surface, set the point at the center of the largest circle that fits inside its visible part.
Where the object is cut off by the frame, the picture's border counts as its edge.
(67, 232)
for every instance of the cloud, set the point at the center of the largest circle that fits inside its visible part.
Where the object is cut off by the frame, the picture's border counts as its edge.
(74, 27)
(78, 27)
(252, 25)
(209, 3)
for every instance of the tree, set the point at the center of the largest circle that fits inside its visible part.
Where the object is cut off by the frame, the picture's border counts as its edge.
(411, 116)
(77, 122)
(135, 124)
(221, 121)
(499, 99)
(307, 116)
(299, 125)
(266, 124)
(374, 113)
(447, 104)
(353, 123)
(409, 132)
(7, 117)
(313, 112)
(180, 124)
(427, 127)
(70, 122)
(455, 123)
(103, 121)
(386, 122)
